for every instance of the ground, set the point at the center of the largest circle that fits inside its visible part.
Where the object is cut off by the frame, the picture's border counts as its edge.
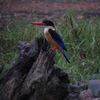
(47, 7)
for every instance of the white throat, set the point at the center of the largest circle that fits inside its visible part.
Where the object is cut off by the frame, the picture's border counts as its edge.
(47, 28)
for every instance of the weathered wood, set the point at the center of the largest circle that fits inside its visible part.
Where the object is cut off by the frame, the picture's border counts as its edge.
(33, 76)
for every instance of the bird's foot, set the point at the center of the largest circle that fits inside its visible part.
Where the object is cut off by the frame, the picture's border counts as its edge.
(54, 49)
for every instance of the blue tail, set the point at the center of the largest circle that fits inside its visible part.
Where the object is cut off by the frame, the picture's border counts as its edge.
(64, 54)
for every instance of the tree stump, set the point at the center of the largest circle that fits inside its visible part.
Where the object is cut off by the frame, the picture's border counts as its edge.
(34, 76)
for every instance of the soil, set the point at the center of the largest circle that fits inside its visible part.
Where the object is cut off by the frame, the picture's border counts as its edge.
(27, 10)
(44, 6)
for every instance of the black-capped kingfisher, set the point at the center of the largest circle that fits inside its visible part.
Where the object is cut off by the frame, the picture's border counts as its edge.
(53, 38)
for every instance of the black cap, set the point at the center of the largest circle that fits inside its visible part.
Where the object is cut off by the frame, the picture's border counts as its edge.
(48, 23)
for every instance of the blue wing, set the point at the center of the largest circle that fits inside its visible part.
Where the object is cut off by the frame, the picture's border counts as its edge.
(57, 38)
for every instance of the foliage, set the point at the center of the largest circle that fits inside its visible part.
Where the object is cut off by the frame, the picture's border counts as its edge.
(81, 37)
(83, 42)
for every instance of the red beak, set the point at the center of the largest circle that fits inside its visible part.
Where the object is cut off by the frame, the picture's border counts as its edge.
(38, 23)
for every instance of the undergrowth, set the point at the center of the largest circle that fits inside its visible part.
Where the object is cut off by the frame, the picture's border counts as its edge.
(82, 39)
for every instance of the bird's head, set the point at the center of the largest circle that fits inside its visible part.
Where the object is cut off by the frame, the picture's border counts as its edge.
(44, 23)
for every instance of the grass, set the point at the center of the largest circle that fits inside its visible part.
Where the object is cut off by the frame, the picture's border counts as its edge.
(82, 39)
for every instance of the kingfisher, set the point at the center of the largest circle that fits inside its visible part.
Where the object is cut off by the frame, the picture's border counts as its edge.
(52, 37)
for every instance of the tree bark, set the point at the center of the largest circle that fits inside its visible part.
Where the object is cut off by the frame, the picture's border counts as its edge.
(34, 76)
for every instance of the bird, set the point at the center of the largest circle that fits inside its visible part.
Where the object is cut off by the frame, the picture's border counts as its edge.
(52, 37)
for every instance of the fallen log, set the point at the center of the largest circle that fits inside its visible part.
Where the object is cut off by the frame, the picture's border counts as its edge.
(34, 76)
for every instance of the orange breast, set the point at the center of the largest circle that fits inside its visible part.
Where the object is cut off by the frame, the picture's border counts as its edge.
(50, 40)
